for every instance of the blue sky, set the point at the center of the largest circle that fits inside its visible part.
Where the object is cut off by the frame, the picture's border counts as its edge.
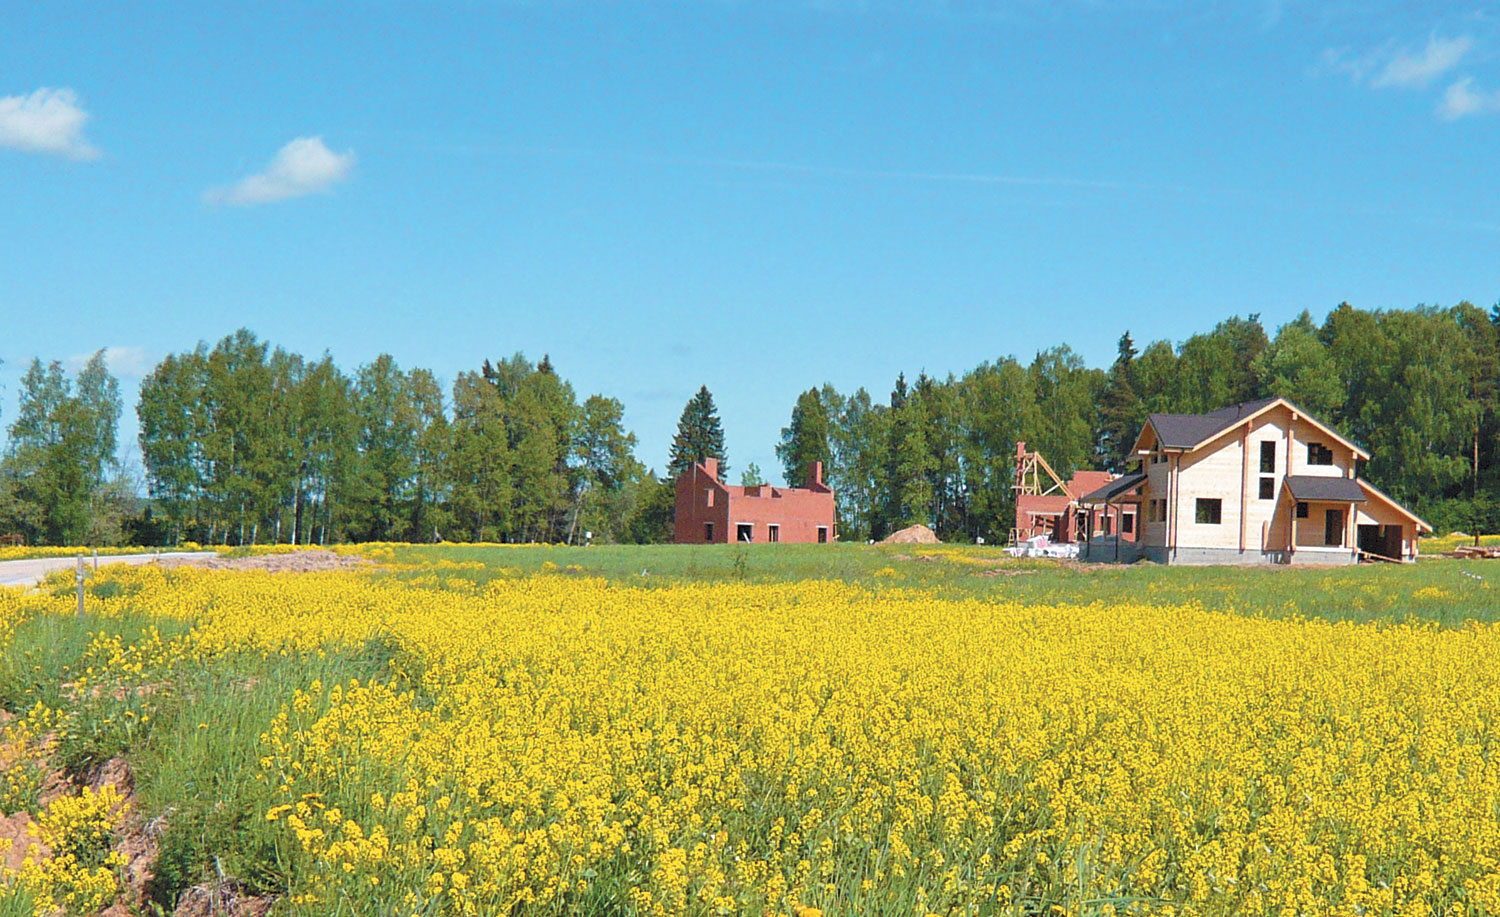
(759, 197)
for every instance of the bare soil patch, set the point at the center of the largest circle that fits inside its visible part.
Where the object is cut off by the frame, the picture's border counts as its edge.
(310, 561)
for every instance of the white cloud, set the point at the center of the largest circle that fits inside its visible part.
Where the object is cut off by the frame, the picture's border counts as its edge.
(125, 362)
(303, 166)
(1462, 100)
(1388, 66)
(1406, 70)
(47, 121)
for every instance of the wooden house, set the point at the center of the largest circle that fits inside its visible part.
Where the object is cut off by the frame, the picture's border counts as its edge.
(1259, 482)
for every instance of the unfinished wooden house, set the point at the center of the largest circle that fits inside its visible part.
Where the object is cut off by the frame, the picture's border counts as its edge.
(1260, 482)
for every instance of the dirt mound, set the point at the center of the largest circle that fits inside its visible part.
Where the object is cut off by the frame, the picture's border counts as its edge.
(310, 561)
(912, 534)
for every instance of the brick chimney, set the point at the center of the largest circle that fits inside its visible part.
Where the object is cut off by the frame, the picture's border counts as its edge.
(711, 465)
(815, 474)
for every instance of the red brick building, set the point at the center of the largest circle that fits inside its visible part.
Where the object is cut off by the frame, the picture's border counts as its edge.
(711, 512)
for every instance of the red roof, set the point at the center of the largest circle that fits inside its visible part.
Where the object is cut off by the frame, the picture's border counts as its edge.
(1086, 482)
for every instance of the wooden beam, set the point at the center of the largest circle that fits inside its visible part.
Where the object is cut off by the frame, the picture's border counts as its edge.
(1174, 497)
(1244, 481)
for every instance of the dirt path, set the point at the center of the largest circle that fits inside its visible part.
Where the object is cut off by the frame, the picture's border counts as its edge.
(31, 572)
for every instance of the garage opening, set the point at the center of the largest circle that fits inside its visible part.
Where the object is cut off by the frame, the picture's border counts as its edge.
(1381, 540)
(745, 531)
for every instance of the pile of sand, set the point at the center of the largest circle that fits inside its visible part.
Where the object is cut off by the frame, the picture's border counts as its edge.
(309, 561)
(912, 534)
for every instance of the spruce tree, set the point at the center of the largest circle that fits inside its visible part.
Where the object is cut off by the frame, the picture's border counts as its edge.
(1121, 411)
(699, 436)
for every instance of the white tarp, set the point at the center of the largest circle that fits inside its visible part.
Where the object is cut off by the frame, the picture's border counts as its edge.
(1042, 546)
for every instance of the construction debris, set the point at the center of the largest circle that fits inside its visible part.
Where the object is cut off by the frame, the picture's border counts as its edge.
(1042, 546)
(1477, 552)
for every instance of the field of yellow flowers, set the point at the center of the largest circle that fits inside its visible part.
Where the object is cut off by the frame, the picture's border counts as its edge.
(560, 744)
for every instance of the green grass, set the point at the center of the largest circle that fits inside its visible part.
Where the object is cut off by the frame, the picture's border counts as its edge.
(1448, 592)
(1445, 543)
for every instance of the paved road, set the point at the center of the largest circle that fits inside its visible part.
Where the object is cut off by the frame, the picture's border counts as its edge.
(30, 572)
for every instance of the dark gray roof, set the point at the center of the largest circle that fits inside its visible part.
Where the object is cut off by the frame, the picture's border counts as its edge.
(1306, 487)
(1121, 485)
(1184, 431)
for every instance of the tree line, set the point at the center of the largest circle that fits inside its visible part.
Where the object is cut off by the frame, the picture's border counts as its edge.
(1415, 387)
(245, 443)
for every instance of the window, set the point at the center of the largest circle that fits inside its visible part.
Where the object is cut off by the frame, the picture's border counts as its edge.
(822, 534)
(773, 533)
(1210, 512)
(1301, 510)
(709, 500)
(1267, 488)
(1108, 523)
(1333, 528)
(744, 532)
(1127, 524)
(1319, 454)
(708, 531)
(1268, 457)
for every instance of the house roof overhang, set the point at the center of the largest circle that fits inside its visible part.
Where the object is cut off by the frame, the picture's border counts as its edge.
(1116, 488)
(1189, 432)
(1376, 495)
(1311, 488)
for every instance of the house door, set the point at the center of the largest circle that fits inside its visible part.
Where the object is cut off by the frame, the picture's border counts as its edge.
(1333, 528)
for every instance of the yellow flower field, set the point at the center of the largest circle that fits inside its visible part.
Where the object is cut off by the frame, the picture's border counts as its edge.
(557, 744)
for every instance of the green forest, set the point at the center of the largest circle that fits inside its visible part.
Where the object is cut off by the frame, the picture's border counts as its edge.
(246, 443)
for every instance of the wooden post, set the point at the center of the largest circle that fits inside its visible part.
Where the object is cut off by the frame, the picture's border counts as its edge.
(78, 577)
(1291, 540)
(96, 560)
(1244, 481)
(1173, 498)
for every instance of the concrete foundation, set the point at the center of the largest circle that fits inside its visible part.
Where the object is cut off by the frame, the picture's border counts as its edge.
(1232, 556)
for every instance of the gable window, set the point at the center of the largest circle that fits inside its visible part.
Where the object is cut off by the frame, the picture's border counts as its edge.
(1301, 510)
(1267, 488)
(1209, 511)
(709, 499)
(1319, 454)
(1268, 457)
